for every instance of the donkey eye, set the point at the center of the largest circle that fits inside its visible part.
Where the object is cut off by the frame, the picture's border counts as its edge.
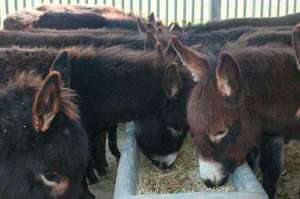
(221, 134)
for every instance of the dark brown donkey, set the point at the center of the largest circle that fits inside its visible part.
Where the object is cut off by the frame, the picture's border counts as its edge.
(244, 94)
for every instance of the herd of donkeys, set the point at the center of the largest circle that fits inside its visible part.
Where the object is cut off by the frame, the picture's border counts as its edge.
(70, 74)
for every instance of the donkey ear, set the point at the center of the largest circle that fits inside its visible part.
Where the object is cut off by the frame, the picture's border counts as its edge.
(141, 26)
(175, 28)
(228, 75)
(172, 80)
(188, 27)
(151, 27)
(61, 64)
(196, 62)
(47, 102)
(151, 41)
(159, 31)
(151, 18)
(159, 50)
(296, 42)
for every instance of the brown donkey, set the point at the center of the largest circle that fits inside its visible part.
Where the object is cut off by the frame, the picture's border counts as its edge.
(242, 98)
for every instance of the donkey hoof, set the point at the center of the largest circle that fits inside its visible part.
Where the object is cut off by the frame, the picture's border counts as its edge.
(93, 179)
(101, 170)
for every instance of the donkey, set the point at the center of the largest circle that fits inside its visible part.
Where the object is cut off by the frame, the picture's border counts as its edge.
(288, 20)
(94, 32)
(16, 60)
(118, 84)
(261, 38)
(244, 94)
(66, 39)
(72, 18)
(43, 148)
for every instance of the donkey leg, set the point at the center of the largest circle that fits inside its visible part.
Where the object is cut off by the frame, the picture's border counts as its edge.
(90, 174)
(252, 158)
(271, 163)
(100, 155)
(112, 142)
(87, 193)
(93, 179)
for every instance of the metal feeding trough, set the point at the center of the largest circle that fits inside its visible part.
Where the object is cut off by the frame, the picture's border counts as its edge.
(243, 179)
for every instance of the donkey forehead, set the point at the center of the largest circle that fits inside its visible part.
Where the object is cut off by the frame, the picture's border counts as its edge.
(213, 115)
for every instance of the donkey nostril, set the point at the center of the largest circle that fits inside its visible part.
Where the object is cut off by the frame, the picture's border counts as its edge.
(156, 163)
(209, 183)
(166, 165)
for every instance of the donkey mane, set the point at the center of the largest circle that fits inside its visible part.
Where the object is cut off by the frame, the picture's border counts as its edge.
(33, 82)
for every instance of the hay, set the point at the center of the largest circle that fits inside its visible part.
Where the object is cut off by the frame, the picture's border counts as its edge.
(182, 177)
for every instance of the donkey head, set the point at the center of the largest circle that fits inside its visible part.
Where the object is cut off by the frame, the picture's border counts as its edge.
(216, 114)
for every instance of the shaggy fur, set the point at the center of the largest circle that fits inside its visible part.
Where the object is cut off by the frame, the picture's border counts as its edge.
(70, 17)
(289, 20)
(118, 84)
(25, 153)
(64, 39)
(266, 102)
(15, 60)
(261, 38)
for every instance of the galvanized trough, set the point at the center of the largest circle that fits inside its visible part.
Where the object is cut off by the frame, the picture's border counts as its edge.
(243, 179)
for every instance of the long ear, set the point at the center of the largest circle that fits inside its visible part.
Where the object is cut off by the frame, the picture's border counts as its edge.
(196, 62)
(61, 64)
(159, 31)
(228, 76)
(151, 41)
(296, 43)
(151, 18)
(169, 50)
(159, 50)
(47, 102)
(151, 27)
(141, 26)
(175, 28)
(172, 80)
(189, 27)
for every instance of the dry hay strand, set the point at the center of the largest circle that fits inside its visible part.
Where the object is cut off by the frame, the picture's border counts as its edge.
(289, 181)
(181, 177)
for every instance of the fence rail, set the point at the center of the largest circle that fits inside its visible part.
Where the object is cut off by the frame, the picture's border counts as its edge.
(181, 11)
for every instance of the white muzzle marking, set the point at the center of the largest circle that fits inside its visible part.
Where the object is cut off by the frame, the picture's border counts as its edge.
(210, 170)
(167, 160)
